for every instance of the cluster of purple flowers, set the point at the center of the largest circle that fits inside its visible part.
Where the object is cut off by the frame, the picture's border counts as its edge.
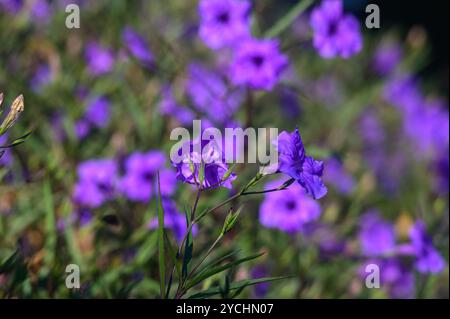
(378, 243)
(96, 116)
(335, 33)
(256, 64)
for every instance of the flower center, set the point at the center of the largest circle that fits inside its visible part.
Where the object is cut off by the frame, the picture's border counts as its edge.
(291, 205)
(104, 187)
(148, 176)
(223, 17)
(257, 60)
(332, 28)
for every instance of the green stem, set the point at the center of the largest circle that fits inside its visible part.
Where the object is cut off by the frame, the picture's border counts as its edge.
(288, 19)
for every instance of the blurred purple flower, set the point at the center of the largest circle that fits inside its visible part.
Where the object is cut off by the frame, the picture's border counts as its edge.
(169, 106)
(140, 176)
(336, 175)
(335, 33)
(41, 11)
(173, 220)
(96, 182)
(41, 77)
(11, 6)
(376, 235)
(257, 64)
(82, 128)
(441, 168)
(293, 161)
(395, 278)
(429, 260)
(100, 60)
(404, 93)
(223, 22)
(260, 290)
(137, 46)
(206, 154)
(386, 58)
(289, 103)
(288, 210)
(210, 94)
(98, 112)
(5, 158)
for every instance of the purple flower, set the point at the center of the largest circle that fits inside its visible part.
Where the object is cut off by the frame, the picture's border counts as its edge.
(293, 161)
(169, 106)
(377, 236)
(11, 6)
(223, 22)
(288, 210)
(82, 128)
(404, 93)
(137, 46)
(210, 94)
(386, 58)
(41, 11)
(42, 76)
(257, 64)
(428, 259)
(173, 220)
(96, 182)
(140, 176)
(260, 290)
(335, 33)
(98, 112)
(395, 278)
(197, 155)
(428, 128)
(336, 175)
(100, 60)
(5, 158)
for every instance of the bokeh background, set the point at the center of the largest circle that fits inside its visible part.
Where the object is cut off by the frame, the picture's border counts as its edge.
(88, 95)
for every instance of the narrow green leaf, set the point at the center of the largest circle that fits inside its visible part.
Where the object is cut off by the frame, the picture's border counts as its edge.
(217, 261)
(213, 271)
(188, 247)
(234, 286)
(18, 141)
(161, 253)
(288, 19)
(50, 224)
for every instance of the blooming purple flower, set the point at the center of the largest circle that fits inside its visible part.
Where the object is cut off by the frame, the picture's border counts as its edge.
(386, 58)
(335, 33)
(223, 22)
(140, 176)
(257, 64)
(288, 210)
(428, 259)
(377, 236)
(293, 161)
(206, 155)
(210, 94)
(173, 220)
(96, 182)
(100, 60)
(137, 46)
(336, 175)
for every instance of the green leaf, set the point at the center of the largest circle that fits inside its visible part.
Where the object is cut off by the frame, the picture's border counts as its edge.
(288, 19)
(18, 141)
(213, 271)
(231, 220)
(234, 286)
(10, 263)
(188, 247)
(161, 253)
(218, 260)
(50, 224)
(176, 264)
